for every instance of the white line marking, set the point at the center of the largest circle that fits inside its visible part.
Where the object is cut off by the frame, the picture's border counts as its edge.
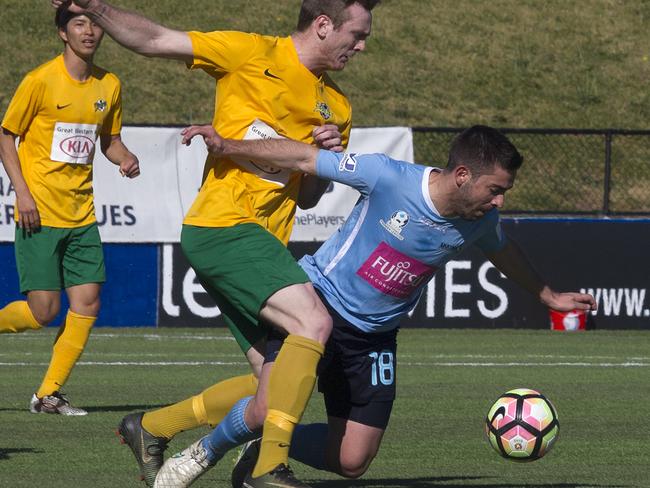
(139, 363)
(517, 364)
(99, 335)
(442, 364)
(505, 356)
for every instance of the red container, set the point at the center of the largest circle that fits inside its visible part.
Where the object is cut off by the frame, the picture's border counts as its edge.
(569, 321)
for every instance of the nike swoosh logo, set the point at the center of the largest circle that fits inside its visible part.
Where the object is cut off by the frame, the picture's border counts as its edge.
(145, 455)
(283, 445)
(271, 75)
(63, 106)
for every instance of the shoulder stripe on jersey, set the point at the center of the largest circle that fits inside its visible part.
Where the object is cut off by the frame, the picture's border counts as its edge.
(349, 240)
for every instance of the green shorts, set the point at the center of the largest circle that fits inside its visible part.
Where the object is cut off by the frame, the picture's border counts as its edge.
(55, 258)
(240, 267)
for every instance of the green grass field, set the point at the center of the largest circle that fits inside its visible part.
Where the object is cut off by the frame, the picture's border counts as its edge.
(447, 380)
(504, 63)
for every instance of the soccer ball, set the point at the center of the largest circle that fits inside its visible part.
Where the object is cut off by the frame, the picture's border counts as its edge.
(522, 425)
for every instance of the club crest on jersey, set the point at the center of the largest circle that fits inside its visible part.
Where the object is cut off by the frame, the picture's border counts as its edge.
(323, 109)
(396, 223)
(100, 105)
(348, 163)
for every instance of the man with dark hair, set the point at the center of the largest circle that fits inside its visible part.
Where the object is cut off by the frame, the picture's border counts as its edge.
(58, 112)
(371, 273)
(236, 231)
(479, 147)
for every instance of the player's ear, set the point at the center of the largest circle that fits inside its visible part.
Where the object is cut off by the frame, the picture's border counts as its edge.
(462, 175)
(323, 25)
(63, 34)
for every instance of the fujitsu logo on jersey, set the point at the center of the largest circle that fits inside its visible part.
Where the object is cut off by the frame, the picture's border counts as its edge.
(394, 273)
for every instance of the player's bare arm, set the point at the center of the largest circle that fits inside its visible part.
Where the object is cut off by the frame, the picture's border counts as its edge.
(312, 188)
(30, 219)
(117, 153)
(511, 262)
(281, 153)
(134, 31)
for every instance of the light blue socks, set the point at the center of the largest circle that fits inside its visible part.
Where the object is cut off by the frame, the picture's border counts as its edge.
(231, 432)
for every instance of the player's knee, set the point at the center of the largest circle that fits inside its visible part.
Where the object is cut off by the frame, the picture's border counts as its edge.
(323, 325)
(317, 324)
(354, 466)
(256, 412)
(88, 307)
(45, 312)
(92, 310)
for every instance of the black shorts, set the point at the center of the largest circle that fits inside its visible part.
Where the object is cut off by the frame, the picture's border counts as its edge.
(357, 374)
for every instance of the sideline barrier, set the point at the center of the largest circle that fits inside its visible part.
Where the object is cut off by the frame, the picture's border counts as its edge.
(151, 208)
(150, 284)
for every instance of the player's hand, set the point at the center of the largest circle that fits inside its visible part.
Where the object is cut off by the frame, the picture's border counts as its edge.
(30, 219)
(328, 137)
(565, 302)
(213, 141)
(130, 167)
(77, 6)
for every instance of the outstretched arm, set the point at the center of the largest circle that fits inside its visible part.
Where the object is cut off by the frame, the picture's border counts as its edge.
(511, 262)
(134, 31)
(280, 153)
(312, 188)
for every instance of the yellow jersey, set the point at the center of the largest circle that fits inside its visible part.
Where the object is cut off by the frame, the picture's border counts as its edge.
(58, 120)
(262, 91)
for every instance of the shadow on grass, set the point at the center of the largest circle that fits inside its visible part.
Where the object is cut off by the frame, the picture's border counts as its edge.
(5, 454)
(448, 481)
(123, 408)
(101, 408)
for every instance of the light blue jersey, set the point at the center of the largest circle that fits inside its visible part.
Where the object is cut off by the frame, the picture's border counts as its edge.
(374, 268)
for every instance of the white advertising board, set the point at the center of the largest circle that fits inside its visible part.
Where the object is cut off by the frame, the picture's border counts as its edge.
(150, 208)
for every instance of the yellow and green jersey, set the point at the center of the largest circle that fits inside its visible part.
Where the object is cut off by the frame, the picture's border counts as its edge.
(58, 120)
(262, 91)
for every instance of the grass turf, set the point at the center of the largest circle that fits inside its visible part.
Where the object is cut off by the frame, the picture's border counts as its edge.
(447, 380)
(500, 63)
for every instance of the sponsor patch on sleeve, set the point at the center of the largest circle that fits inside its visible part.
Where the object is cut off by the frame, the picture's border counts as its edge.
(348, 163)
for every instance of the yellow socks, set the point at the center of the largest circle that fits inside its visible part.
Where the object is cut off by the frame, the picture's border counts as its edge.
(17, 317)
(220, 398)
(67, 349)
(290, 385)
(208, 407)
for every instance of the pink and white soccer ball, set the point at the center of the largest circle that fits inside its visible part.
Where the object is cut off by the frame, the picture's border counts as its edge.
(522, 425)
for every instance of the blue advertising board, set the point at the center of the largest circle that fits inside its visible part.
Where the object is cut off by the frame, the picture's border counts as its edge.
(129, 295)
(153, 285)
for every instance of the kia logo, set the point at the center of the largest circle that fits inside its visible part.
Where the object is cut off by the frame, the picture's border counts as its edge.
(77, 146)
